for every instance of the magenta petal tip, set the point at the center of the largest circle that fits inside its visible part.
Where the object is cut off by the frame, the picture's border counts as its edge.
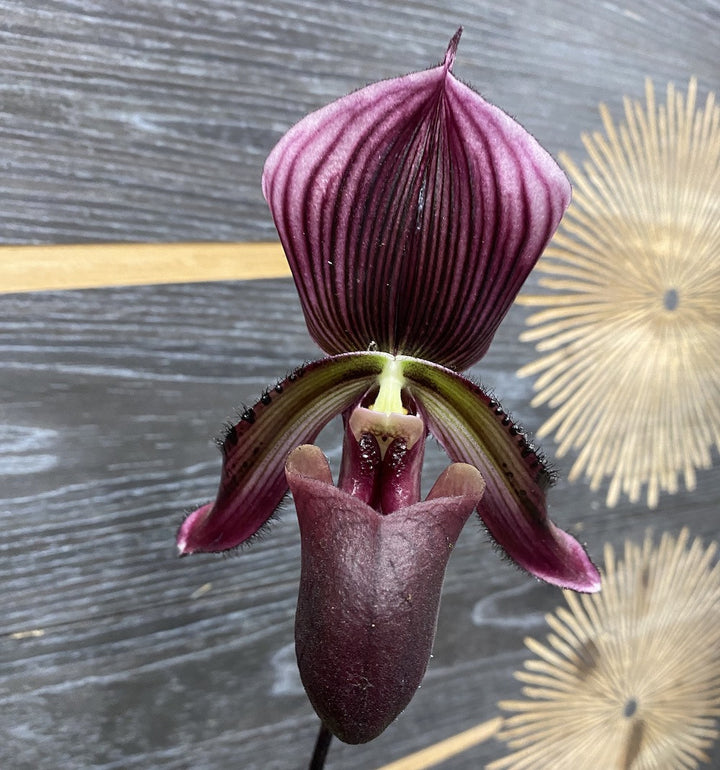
(568, 566)
(186, 534)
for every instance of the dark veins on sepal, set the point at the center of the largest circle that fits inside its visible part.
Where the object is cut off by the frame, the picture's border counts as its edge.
(531, 454)
(234, 431)
(533, 457)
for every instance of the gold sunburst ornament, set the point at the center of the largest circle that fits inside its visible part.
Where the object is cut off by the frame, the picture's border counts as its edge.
(629, 678)
(629, 325)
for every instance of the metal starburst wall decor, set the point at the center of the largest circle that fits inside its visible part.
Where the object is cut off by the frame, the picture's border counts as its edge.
(629, 325)
(629, 678)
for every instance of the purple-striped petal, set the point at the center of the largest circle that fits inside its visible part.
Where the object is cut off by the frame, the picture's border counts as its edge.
(411, 212)
(252, 482)
(472, 428)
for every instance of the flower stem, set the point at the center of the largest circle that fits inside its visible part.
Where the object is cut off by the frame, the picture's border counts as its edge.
(322, 744)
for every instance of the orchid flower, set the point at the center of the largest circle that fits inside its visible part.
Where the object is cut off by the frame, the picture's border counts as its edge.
(411, 212)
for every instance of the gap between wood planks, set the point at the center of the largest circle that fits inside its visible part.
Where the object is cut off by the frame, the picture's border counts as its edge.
(84, 266)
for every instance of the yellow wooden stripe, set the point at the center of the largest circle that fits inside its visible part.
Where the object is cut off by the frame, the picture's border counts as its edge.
(439, 752)
(36, 268)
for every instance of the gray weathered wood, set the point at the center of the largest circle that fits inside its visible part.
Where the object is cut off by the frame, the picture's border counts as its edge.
(151, 121)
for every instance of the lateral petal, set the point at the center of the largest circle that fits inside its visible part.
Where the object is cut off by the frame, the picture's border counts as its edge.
(411, 212)
(252, 482)
(473, 428)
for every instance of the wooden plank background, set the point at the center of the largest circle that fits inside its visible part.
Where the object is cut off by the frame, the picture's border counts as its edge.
(149, 122)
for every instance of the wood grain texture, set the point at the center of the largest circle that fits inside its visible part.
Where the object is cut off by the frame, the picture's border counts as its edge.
(110, 399)
(150, 122)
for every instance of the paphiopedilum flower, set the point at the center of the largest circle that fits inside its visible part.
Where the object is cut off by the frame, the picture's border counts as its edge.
(411, 212)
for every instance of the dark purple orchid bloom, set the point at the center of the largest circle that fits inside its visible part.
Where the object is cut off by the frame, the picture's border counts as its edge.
(411, 212)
